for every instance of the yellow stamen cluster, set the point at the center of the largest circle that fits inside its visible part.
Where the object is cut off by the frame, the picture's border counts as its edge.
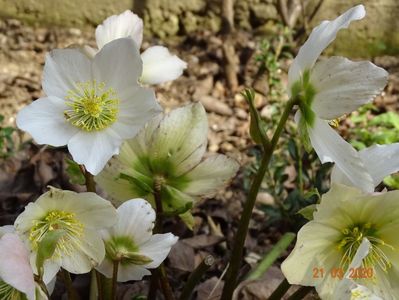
(92, 106)
(58, 220)
(7, 292)
(351, 240)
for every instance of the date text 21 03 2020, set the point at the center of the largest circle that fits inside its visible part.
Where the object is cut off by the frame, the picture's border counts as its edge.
(354, 273)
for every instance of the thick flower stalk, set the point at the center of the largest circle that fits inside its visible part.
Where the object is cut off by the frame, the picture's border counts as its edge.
(167, 155)
(92, 104)
(131, 244)
(379, 161)
(79, 216)
(159, 65)
(330, 242)
(329, 89)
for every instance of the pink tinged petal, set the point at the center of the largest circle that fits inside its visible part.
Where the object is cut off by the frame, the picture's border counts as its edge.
(331, 147)
(6, 229)
(210, 175)
(44, 120)
(136, 219)
(63, 69)
(379, 160)
(118, 65)
(127, 24)
(343, 86)
(159, 65)
(15, 268)
(320, 37)
(138, 106)
(157, 248)
(94, 149)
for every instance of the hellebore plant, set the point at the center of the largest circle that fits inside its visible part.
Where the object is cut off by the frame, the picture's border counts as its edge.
(92, 105)
(344, 217)
(166, 157)
(159, 65)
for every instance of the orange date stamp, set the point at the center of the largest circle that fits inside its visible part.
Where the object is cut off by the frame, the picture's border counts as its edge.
(339, 273)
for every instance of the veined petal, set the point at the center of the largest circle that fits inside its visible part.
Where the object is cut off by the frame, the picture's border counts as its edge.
(210, 175)
(127, 24)
(320, 37)
(15, 268)
(159, 65)
(343, 85)
(180, 139)
(46, 114)
(118, 65)
(94, 149)
(63, 69)
(157, 248)
(331, 147)
(379, 160)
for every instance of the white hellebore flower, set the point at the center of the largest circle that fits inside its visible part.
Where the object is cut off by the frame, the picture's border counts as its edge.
(380, 161)
(329, 89)
(92, 105)
(131, 244)
(80, 216)
(334, 241)
(168, 154)
(159, 65)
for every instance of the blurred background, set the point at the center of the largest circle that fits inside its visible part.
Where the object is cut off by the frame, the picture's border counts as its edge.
(228, 45)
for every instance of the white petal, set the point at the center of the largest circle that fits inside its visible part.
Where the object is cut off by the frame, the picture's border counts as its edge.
(6, 229)
(331, 147)
(126, 272)
(44, 120)
(379, 160)
(136, 219)
(180, 139)
(135, 110)
(159, 65)
(210, 175)
(118, 65)
(127, 24)
(15, 267)
(157, 248)
(94, 149)
(343, 85)
(63, 69)
(320, 37)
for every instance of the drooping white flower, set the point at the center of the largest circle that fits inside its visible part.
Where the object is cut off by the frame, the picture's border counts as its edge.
(159, 65)
(92, 105)
(132, 244)
(80, 216)
(169, 152)
(343, 219)
(329, 89)
(379, 161)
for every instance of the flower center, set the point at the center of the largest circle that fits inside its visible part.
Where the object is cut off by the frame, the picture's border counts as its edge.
(351, 240)
(55, 220)
(92, 106)
(7, 292)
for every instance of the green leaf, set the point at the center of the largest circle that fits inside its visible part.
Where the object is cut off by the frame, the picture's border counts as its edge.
(307, 212)
(1, 118)
(390, 118)
(74, 172)
(47, 247)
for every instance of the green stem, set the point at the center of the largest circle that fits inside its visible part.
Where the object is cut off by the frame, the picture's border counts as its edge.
(300, 293)
(236, 255)
(195, 277)
(114, 279)
(72, 294)
(89, 181)
(280, 291)
(271, 257)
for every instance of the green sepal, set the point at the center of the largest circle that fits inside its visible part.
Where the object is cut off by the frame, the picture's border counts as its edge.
(304, 135)
(47, 247)
(143, 183)
(188, 219)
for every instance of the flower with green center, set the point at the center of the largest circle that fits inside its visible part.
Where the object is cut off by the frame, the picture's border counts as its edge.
(92, 104)
(130, 242)
(159, 65)
(343, 220)
(330, 88)
(167, 155)
(79, 216)
(379, 161)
